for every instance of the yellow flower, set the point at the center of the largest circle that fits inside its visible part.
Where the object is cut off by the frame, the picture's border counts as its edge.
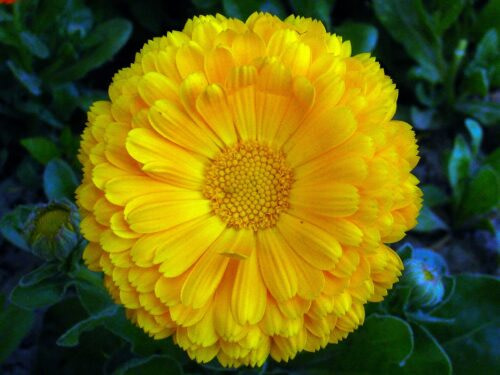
(240, 184)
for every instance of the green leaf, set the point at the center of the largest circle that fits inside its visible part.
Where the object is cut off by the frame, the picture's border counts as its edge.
(65, 99)
(155, 364)
(488, 113)
(488, 17)
(481, 194)
(41, 112)
(29, 80)
(42, 149)
(15, 323)
(384, 341)
(243, 9)
(445, 14)
(72, 336)
(34, 44)
(476, 329)
(320, 9)
(406, 251)
(79, 21)
(493, 160)
(381, 343)
(69, 142)
(428, 221)
(59, 180)
(43, 272)
(476, 81)
(12, 226)
(408, 23)
(363, 36)
(434, 196)
(101, 44)
(476, 135)
(428, 356)
(459, 165)
(487, 49)
(46, 292)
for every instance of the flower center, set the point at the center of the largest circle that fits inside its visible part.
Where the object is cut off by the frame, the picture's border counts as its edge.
(248, 185)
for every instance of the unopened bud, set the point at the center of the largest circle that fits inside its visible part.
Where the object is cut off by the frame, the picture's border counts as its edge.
(52, 230)
(423, 273)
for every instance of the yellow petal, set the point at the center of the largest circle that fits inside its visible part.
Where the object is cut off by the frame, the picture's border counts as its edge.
(123, 189)
(213, 107)
(277, 270)
(247, 47)
(168, 290)
(314, 245)
(218, 63)
(176, 165)
(103, 211)
(203, 332)
(249, 296)
(224, 321)
(241, 98)
(203, 279)
(91, 229)
(111, 243)
(189, 59)
(186, 316)
(87, 195)
(297, 57)
(104, 172)
(182, 246)
(280, 41)
(173, 123)
(154, 86)
(329, 200)
(238, 243)
(328, 168)
(120, 227)
(310, 280)
(273, 97)
(320, 133)
(159, 211)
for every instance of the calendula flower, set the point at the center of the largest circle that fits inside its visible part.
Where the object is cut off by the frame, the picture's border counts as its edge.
(240, 186)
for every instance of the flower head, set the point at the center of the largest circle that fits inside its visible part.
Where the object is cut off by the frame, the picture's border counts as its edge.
(423, 273)
(51, 230)
(240, 186)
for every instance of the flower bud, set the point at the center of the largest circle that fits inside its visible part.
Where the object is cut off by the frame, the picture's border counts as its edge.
(52, 230)
(423, 272)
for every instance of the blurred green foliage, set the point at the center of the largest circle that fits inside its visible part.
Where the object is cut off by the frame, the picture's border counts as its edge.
(58, 56)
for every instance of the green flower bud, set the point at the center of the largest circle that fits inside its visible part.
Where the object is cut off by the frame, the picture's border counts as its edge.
(52, 230)
(423, 272)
